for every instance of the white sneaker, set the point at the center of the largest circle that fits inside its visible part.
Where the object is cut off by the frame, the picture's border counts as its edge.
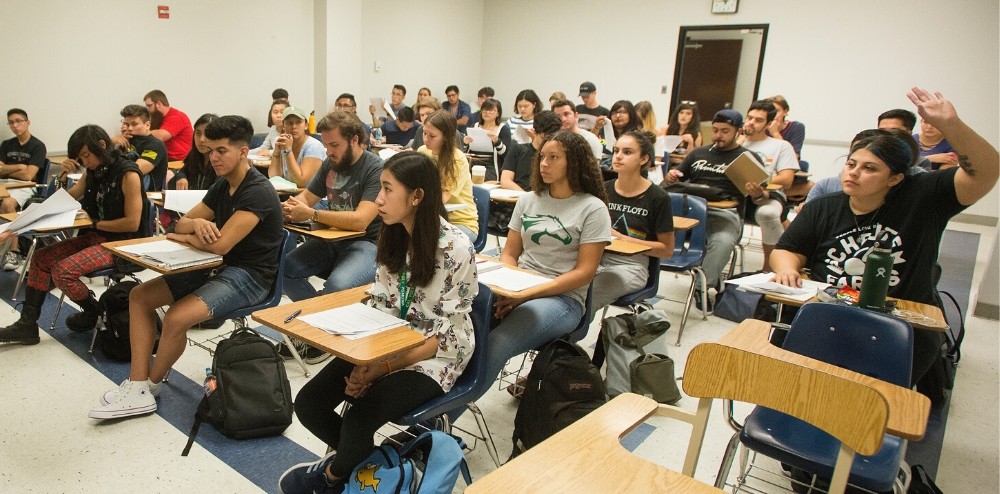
(112, 395)
(134, 398)
(12, 261)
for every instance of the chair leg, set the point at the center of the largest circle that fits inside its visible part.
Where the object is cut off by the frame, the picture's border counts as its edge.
(484, 431)
(93, 337)
(687, 310)
(727, 461)
(55, 318)
(24, 268)
(298, 358)
(700, 273)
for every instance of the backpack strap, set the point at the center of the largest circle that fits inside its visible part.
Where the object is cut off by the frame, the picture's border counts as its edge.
(203, 411)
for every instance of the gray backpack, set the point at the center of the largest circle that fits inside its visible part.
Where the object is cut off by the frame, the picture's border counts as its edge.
(637, 360)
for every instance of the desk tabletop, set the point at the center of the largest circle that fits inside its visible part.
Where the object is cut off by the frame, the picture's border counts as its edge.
(113, 247)
(626, 248)
(920, 316)
(81, 221)
(908, 409)
(360, 351)
(587, 457)
(723, 204)
(330, 233)
(9, 183)
(175, 165)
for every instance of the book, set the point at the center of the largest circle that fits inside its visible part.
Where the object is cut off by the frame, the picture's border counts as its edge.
(282, 184)
(168, 254)
(746, 168)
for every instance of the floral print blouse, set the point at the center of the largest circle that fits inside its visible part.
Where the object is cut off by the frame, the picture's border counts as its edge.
(441, 308)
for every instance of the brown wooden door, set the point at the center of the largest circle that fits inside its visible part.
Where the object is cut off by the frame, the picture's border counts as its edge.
(708, 74)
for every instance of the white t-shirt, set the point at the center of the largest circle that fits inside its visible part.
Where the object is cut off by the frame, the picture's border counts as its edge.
(595, 143)
(776, 154)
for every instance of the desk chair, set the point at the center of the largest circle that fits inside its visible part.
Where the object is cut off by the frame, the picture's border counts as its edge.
(470, 384)
(257, 140)
(689, 251)
(867, 342)
(639, 297)
(481, 197)
(239, 316)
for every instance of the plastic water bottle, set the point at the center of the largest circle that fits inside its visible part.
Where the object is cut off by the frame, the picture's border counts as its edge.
(378, 135)
(210, 382)
(875, 282)
(312, 122)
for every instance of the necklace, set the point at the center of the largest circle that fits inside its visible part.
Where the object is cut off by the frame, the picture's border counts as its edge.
(870, 220)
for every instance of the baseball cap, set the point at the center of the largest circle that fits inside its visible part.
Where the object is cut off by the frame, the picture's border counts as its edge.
(586, 88)
(293, 111)
(731, 117)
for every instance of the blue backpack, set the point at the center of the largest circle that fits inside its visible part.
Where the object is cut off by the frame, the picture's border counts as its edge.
(427, 464)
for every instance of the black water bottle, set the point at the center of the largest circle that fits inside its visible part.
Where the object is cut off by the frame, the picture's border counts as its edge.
(875, 282)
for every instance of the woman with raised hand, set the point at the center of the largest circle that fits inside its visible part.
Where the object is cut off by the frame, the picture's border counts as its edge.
(426, 275)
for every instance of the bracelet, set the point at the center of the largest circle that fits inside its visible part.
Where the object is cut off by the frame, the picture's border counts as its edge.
(315, 215)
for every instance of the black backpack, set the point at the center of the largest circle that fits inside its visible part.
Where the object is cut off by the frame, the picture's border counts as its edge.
(113, 338)
(252, 397)
(562, 386)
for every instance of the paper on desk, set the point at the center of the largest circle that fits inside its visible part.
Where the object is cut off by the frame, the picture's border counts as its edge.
(454, 207)
(513, 280)
(609, 134)
(182, 201)
(58, 202)
(487, 186)
(501, 193)
(379, 110)
(157, 246)
(761, 283)
(655, 174)
(521, 134)
(666, 144)
(387, 153)
(481, 142)
(281, 183)
(353, 321)
(170, 255)
(484, 265)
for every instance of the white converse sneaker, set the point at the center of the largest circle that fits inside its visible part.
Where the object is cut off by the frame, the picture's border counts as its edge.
(134, 398)
(112, 395)
(13, 261)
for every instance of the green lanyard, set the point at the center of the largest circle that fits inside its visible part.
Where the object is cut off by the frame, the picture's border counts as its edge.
(405, 295)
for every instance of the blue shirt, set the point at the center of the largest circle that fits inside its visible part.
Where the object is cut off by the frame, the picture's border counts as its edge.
(463, 110)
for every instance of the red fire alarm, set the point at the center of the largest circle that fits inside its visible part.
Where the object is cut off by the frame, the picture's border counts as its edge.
(163, 11)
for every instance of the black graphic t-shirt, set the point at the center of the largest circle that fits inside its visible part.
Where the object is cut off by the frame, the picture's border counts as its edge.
(827, 233)
(707, 166)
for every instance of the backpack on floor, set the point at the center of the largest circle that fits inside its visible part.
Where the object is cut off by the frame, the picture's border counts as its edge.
(113, 339)
(637, 358)
(562, 386)
(252, 397)
(427, 464)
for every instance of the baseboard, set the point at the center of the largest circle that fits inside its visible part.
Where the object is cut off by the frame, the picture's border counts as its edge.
(987, 311)
(975, 219)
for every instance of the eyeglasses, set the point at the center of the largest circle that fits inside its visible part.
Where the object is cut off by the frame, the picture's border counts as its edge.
(451, 94)
(489, 110)
(15, 122)
(689, 102)
(345, 107)
(620, 112)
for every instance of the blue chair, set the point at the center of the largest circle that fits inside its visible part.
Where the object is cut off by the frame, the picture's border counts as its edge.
(867, 342)
(689, 251)
(580, 332)
(257, 140)
(481, 197)
(471, 383)
(631, 300)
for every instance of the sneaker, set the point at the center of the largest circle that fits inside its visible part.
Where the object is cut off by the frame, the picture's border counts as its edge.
(297, 346)
(314, 355)
(307, 478)
(697, 301)
(111, 396)
(517, 388)
(134, 398)
(13, 261)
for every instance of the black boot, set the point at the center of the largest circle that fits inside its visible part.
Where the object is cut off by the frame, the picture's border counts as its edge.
(25, 329)
(86, 319)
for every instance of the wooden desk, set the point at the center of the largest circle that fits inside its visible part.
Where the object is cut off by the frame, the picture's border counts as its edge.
(361, 351)
(682, 223)
(81, 221)
(16, 184)
(113, 247)
(920, 316)
(330, 234)
(175, 165)
(510, 200)
(908, 409)
(625, 248)
(723, 204)
(155, 197)
(587, 457)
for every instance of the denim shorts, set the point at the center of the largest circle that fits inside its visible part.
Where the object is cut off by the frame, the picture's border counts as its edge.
(224, 290)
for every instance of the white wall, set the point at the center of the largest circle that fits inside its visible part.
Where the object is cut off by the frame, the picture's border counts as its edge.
(839, 64)
(72, 63)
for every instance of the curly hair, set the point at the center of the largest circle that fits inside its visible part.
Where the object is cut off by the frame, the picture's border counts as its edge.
(582, 170)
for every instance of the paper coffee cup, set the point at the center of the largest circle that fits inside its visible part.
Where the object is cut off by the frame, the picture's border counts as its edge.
(478, 174)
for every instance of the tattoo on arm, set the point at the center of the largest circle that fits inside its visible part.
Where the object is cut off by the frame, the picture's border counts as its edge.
(965, 164)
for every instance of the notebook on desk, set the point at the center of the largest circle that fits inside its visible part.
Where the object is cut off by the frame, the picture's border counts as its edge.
(170, 255)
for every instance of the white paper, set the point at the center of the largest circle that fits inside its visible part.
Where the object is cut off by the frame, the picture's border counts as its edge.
(353, 321)
(666, 144)
(609, 134)
(157, 246)
(168, 254)
(388, 110)
(59, 202)
(513, 280)
(52, 221)
(13, 181)
(521, 134)
(386, 153)
(455, 207)
(505, 193)
(487, 186)
(481, 142)
(484, 266)
(379, 110)
(182, 201)
(586, 121)
(281, 183)
(75, 176)
(655, 174)
(259, 158)
(761, 283)
(154, 195)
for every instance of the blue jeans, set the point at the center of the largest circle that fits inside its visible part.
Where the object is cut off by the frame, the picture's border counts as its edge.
(224, 291)
(350, 263)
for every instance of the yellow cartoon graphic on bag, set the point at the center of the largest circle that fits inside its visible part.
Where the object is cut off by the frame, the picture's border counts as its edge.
(366, 477)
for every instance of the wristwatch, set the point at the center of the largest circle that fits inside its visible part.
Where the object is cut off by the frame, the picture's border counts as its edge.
(315, 215)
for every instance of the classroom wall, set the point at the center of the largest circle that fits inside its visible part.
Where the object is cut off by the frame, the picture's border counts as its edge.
(839, 64)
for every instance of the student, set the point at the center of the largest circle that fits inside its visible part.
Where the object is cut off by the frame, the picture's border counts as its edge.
(395, 102)
(197, 173)
(424, 92)
(21, 157)
(141, 147)
(685, 121)
(526, 105)
(426, 275)
(402, 130)
(560, 231)
(624, 118)
(274, 120)
(280, 93)
(297, 155)
(879, 196)
(567, 113)
(349, 181)
(239, 219)
(169, 125)
(110, 191)
(792, 131)
(484, 93)
(458, 108)
(640, 213)
(935, 148)
(346, 102)
(456, 178)
(491, 113)
(516, 173)
(590, 106)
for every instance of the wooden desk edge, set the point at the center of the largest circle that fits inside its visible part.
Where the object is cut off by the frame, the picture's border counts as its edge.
(908, 409)
(325, 233)
(113, 247)
(929, 311)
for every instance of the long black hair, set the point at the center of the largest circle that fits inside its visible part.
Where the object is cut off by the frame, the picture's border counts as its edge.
(197, 169)
(415, 171)
(581, 167)
(693, 128)
(634, 122)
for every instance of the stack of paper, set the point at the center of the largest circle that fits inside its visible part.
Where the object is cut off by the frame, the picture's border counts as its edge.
(353, 321)
(761, 283)
(666, 144)
(506, 193)
(513, 280)
(282, 184)
(171, 255)
(58, 211)
(182, 201)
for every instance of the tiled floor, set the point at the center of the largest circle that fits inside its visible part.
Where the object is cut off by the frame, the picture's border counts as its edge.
(47, 443)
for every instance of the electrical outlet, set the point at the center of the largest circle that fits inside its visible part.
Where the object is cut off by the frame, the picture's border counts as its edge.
(378, 66)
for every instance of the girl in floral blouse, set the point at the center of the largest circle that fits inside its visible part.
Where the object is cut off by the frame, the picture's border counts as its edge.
(427, 275)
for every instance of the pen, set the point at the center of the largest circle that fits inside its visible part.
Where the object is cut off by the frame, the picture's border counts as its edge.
(293, 315)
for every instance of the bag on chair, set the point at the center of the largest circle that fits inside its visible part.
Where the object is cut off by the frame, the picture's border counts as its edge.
(562, 387)
(113, 339)
(252, 397)
(427, 464)
(631, 368)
